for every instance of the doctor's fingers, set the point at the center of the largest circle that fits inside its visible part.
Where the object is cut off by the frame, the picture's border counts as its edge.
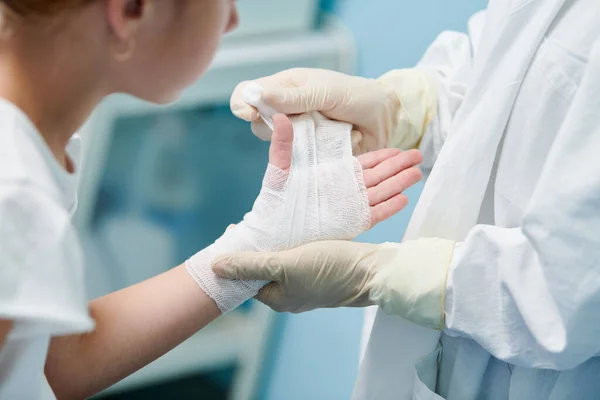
(250, 266)
(275, 88)
(242, 110)
(280, 152)
(273, 296)
(239, 107)
(386, 163)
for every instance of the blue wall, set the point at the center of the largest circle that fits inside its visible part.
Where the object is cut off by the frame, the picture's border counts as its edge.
(316, 354)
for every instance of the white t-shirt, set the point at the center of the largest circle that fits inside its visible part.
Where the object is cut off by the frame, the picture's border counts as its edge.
(41, 264)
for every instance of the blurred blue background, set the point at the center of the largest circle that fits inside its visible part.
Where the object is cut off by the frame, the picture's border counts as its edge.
(156, 196)
(316, 355)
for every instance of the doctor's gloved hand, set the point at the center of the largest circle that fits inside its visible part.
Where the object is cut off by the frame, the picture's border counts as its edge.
(391, 111)
(406, 279)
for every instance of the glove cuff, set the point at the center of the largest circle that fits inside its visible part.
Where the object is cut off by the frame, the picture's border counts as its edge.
(411, 281)
(416, 94)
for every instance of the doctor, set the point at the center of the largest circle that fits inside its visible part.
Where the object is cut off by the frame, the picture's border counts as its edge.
(503, 251)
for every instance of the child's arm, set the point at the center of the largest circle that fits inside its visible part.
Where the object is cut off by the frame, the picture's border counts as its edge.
(134, 326)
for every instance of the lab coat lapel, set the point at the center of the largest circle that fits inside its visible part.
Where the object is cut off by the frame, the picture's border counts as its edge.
(450, 204)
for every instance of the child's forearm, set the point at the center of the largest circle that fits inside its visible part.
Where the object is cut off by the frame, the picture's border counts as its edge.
(134, 326)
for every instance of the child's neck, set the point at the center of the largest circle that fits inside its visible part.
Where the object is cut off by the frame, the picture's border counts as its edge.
(54, 87)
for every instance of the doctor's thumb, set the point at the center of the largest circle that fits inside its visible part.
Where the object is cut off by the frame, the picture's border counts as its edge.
(272, 295)
(290, 100)
(248, 266)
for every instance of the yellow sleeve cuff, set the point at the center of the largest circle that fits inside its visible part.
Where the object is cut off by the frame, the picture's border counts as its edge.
(411, 281)
(417, 94)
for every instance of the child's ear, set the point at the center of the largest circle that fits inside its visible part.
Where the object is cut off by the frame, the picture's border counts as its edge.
(282, 141)
(124, 18)
(134, 8)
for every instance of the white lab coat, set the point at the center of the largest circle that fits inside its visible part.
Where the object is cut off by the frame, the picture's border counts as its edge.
(515, 151)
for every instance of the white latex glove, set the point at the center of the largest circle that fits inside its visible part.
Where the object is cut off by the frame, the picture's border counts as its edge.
(392, 111)
(406, 279)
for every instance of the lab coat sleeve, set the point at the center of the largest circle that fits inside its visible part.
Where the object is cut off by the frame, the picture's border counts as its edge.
(41, 268)
(530, 295)
(431, 93)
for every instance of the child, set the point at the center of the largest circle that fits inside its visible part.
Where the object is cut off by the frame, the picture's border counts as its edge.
(58, 60)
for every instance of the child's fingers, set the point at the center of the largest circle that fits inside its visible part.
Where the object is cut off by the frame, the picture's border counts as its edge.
(280, 152)
(390, 167)
(386, 209)
(394, 185)
(371, 159)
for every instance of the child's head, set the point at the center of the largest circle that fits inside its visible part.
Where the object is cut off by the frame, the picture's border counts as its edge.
(149, 48)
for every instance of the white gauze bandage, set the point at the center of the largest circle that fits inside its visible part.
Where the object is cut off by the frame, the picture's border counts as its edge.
(322, 197)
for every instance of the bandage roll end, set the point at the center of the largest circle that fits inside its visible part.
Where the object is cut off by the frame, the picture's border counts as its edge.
(253, 95)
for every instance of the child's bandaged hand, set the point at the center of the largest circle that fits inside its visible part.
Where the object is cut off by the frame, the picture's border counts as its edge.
(314, 189)
(387, 173)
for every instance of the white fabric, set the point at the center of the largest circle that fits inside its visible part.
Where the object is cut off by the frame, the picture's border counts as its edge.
(41, 269)
(322, 198)
(515, 177)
